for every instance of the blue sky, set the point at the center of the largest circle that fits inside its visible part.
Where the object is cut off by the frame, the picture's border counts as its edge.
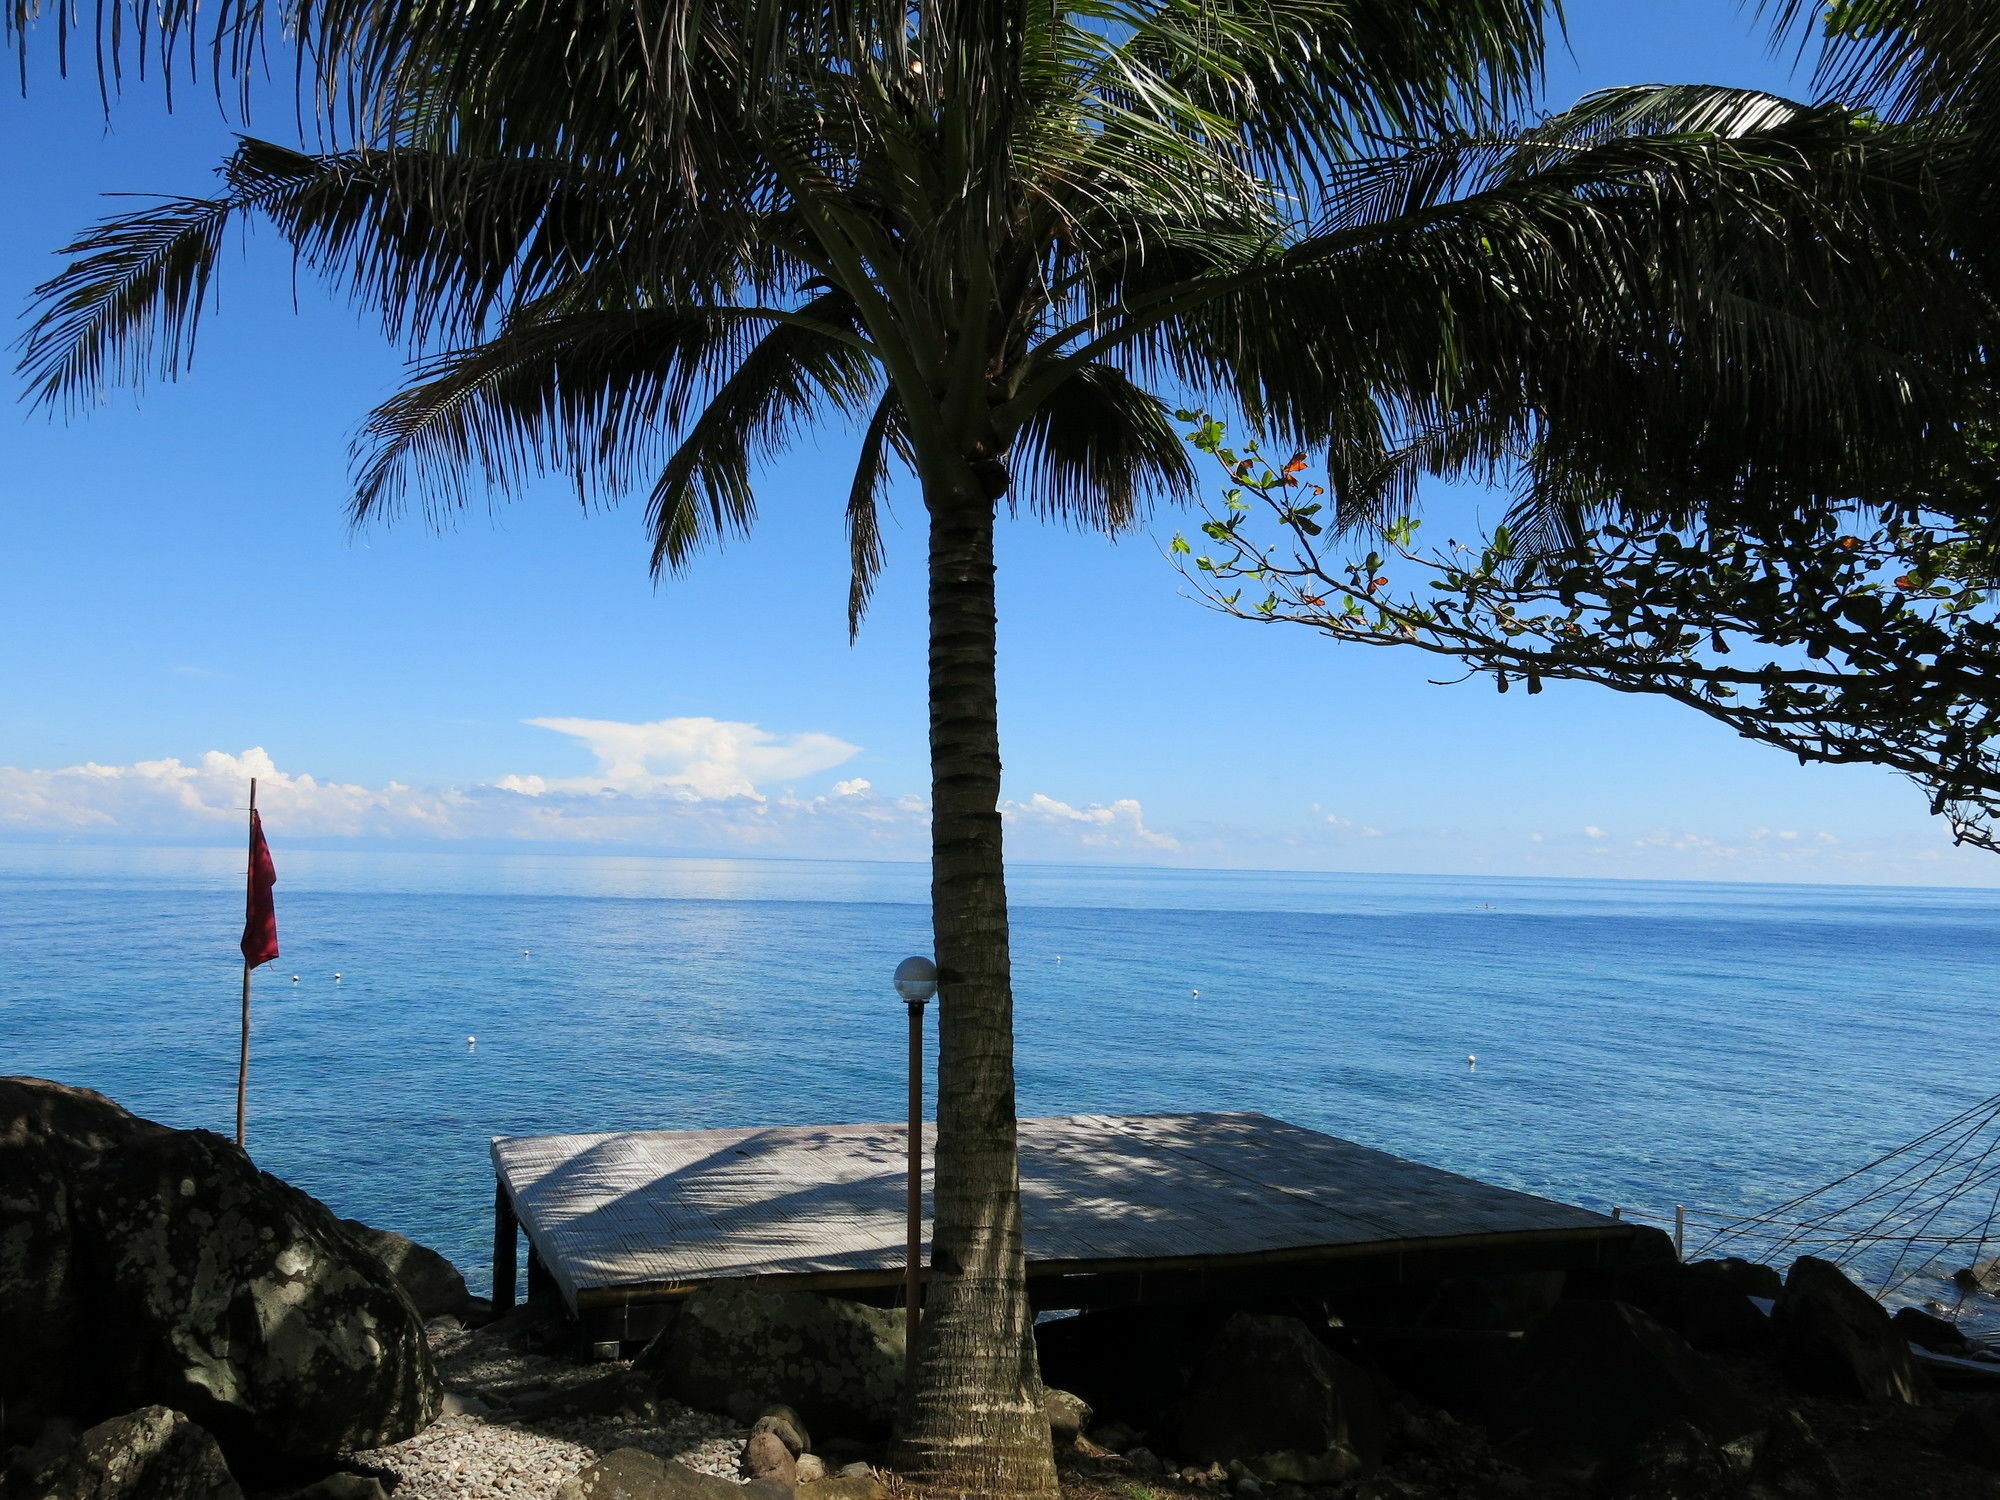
(180, 583)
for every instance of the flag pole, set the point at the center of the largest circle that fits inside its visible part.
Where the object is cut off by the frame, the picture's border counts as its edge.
(243, 1055)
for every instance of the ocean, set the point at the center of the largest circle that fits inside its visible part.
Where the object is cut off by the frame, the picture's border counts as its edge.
(1639, 1044)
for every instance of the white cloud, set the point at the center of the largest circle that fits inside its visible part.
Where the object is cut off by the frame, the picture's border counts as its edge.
(688, 784)
(716, 786)
(1114, 825)
(1334, 820)
(698, 757)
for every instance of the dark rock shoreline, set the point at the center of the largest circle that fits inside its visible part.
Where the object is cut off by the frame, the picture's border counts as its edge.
(176, 1325)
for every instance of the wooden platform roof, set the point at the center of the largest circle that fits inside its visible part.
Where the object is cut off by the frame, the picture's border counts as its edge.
(649, 1215)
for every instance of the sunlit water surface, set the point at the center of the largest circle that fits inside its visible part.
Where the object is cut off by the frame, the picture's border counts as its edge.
(1638, 1044)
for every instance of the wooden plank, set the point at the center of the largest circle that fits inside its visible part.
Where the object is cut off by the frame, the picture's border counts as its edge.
(653, 1213)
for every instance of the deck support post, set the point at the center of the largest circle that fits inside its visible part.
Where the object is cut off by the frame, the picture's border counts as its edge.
(505, 1232)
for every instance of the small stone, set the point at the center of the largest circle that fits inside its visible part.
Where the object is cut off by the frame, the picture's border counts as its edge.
(1247, 1488)
(457, 1404)
(855, 1471)
(1145, 1461)
(810, 1467)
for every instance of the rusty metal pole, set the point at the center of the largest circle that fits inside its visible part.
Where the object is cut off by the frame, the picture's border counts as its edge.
(916, 982)
(913, 1256)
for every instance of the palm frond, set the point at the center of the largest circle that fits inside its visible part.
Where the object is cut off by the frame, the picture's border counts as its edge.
(128, 307)
(1097, 452)
(784, 383)
(865, 551)
(587, 396)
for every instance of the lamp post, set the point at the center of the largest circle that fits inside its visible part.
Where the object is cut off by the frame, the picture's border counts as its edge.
(916, 982)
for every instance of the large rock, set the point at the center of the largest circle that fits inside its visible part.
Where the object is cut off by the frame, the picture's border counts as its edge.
(1132, 1365)
(431, 1282)
(1449, 1342)
(738, 1347)
(1707, 1302)
(789, 1427)
(149, 1454)
(141, 1265)
(1491, 1304)
(1598, 1381)
(1069, 1415)
(1982, 1277)
(1269, 1393)
(1836, 1340)
(765, 1456)
(1928, 1331)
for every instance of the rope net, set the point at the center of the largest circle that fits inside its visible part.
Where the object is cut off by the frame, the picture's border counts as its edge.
(1917, 1212)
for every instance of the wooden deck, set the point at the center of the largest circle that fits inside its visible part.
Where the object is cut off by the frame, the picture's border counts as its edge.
(648, 1216)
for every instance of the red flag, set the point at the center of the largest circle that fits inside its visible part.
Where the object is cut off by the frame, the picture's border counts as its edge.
(260, 914)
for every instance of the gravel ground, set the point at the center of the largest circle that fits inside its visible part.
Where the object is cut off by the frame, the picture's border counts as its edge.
(494, 1457)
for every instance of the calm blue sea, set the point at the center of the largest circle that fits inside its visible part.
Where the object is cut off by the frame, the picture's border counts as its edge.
(1639, 1044)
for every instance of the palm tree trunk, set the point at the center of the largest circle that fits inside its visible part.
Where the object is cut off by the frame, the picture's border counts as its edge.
(975, 1426)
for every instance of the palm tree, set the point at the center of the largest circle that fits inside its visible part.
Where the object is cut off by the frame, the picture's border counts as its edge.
(644, 245)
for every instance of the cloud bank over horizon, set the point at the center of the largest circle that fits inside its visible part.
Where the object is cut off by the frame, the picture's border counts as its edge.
(713, 786)
(683, 784)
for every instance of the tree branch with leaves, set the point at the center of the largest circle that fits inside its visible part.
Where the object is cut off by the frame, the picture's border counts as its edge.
(1841, 638)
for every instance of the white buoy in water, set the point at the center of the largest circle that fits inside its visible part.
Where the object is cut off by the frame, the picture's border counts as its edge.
(295, 979)
(1471, 1061)
(469, 1041)
(1197, 994)
(1058, 958)
(336, 977)
(527, 953)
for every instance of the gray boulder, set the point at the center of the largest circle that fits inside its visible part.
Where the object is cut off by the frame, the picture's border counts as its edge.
(149, 1454)
(1068, 1416)
(1836, 1340)
(736, 1346)
(141, 1265)
(432, 1282)
(1269, 1393)
(789, 1427)
(1598, 1380)
(765, 1456)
